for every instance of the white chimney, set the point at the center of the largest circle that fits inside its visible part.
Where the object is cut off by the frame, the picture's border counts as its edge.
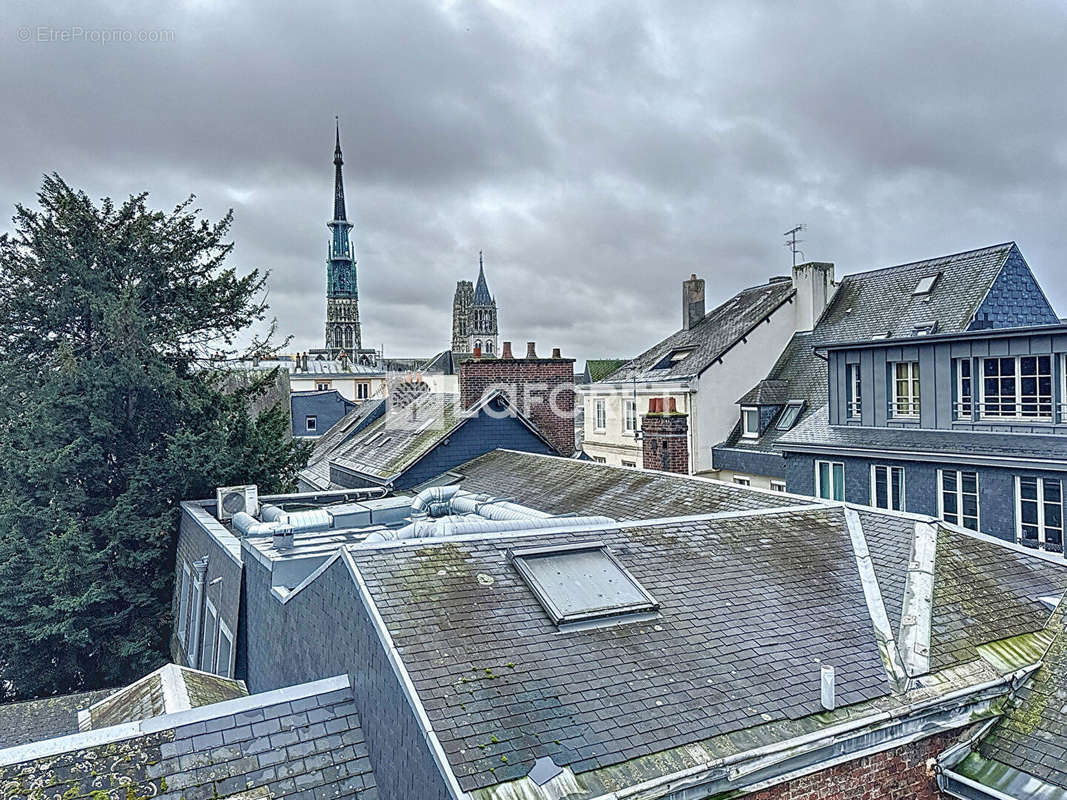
(828, 688)
(814, 283)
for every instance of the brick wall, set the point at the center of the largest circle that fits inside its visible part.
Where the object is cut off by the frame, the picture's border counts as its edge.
(897, 774)
(665, 438)
(541, 388)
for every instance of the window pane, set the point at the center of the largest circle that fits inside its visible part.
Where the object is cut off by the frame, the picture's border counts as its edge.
(881, 489)
(839, 482)
(970, 482)
(898, 488)
(824, 480)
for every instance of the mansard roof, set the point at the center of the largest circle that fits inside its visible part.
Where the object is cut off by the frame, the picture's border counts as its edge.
(687, 353)
(31, 720)
(884, 303)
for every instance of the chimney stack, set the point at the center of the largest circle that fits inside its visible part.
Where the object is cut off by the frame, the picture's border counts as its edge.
(827, 689)
(665, 437)
(814, 284)
(541, 388)
(477, 351)
(692, 302)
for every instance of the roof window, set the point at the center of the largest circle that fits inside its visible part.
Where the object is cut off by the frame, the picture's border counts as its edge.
(926, 284)
(790, 414)
(925, 328)
(674, 357)
(581, 583)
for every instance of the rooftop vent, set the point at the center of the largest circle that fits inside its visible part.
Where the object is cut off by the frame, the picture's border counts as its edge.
(581, 583)
(925, 284)
(230, 500)
(827, 687)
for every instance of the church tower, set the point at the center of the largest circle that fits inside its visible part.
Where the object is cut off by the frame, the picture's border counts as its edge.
(342, 298)
(474, 323)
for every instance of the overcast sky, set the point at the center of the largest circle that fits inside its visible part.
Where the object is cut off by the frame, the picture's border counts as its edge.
(597, 152)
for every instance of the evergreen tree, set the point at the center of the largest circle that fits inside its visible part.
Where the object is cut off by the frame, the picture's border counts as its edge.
(110, 316)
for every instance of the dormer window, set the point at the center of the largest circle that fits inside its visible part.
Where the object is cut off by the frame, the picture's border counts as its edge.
(750, 423)
(925, 284)
(674, 357)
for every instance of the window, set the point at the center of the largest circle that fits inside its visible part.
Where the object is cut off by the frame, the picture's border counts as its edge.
(1019, 387)
(964, 389)
(958, 497)
(601, 414)
(183, 605)
(362, 391)
(629, 463)
(789, 414)
(750, 423)
(629, 416)
(478, 344)
(322, 386)
(194, 621)
(855, 396)
(830, 480)
(777, 486)
(1039, 511)
(887, 487)
(489, 346)
(924, 328)
(311, 423)
(905, 389)
(925, 284)
(222, 657)
(742, 481)
(600, 459)
(673, 357)
(581, 582)
(207, 662)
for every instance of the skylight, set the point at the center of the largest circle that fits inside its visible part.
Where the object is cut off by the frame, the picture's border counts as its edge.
(581, 582)
(926, 284)
(674, 357)
(789, 414)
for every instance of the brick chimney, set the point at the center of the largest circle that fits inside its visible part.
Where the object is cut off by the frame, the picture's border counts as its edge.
(541, 388)
(692, 302)
(814, 282)
(665, 437)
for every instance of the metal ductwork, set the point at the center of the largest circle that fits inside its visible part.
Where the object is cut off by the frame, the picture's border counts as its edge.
(426, 529)
(270, 513)
(317, 519)
(440, 501)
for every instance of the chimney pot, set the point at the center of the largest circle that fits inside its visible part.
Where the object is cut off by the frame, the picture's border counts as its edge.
(655, 405)
(531, 349)
(672, 406)
(477, 351)
(555, 353)
(507, 351)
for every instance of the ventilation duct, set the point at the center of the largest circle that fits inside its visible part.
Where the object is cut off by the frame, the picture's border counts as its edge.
(426, 529)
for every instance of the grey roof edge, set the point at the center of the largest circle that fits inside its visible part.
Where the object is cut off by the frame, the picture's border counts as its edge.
(229, 543)
(131, 730)
(970, 251)
(411, 694)
(987, 333)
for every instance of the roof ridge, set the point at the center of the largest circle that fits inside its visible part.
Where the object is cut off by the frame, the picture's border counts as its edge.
(917, 262)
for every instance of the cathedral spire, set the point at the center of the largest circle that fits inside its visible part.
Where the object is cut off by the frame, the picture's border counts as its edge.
(481, 289)
(338, 180)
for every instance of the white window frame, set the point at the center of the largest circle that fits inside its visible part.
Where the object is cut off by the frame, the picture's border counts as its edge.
(959, 493)
(211, 632)
(1017, 402)
(224, 632)
(906, 406)
(629, 416)
(740, 481)
(630, 464)
(890, 484)
(323, 386)
(193, 653)
(1042, 526)
(362, 390)
(600, 459)
(854, 388)
(183, 604)
(600, 414)
(311, 423)
(833, 483)
(777, 486)
(964, 411)
(746, 431)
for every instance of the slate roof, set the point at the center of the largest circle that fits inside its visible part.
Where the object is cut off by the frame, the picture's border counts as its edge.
(817, 432)
(317, 472)
(31, 720)
(768, 392)
(1032, 736)
(804, 376)
(300, 743)
(747, 616)
(721, 329)
(558, 485)
(444, 363)
(880, 302)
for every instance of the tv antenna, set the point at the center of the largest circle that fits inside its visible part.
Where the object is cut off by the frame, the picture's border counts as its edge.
(792, 242)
